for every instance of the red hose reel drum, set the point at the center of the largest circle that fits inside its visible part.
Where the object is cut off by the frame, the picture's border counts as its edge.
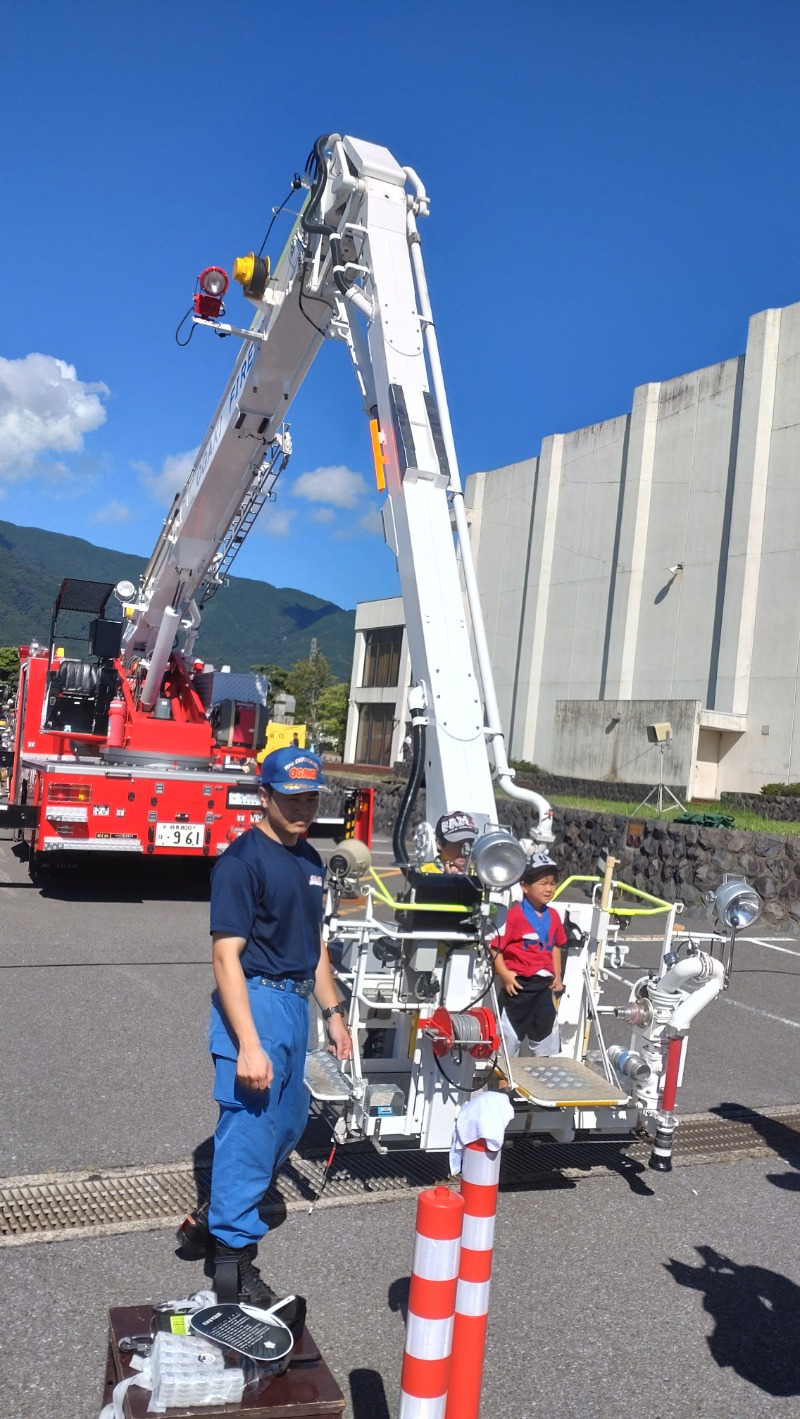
(473, 1030)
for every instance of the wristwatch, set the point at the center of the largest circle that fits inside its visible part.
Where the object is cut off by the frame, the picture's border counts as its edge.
(333, 1010)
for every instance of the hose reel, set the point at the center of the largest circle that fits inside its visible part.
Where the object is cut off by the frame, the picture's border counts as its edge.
(473, 1030)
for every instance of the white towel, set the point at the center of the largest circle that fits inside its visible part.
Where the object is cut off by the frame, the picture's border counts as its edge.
(486, 1116)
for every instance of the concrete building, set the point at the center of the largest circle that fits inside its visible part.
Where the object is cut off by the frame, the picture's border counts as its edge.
(376, 721)
(644, 570)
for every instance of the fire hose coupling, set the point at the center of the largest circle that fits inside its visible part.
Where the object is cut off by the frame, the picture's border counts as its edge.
(660, 1159)
(709, 966)
(473, 1030)
(637, 1012)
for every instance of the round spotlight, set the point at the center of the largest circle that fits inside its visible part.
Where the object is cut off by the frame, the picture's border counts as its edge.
(214, 281)
(498, 859)
(349, 863)
(735, 903)
(124, 590)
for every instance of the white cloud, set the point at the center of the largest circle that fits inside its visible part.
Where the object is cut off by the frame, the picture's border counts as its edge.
(372, 522)
(337, 485)
(112, 512)
(170, 479)
(323, 514)
(276, 522)
(44, 408)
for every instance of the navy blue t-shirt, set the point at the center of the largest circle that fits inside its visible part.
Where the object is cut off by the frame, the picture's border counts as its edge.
(273, 897)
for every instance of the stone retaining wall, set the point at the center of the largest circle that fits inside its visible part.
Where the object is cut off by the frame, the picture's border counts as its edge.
(550, 784)
(673, 860)
(781, 808)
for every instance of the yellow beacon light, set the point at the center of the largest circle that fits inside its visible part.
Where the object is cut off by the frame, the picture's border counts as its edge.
(252, 274)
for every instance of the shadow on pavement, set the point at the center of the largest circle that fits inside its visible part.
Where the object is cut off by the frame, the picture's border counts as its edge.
(123, 880)
(367, 1395)
(398, 1296)
(780, 1137)
(757, 1318)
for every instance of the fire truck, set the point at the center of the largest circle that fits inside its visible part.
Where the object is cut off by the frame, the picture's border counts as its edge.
(97, 766)
(123, 739)
(125, 743)
(416, 970)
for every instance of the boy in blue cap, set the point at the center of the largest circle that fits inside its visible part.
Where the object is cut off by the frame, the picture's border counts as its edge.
(268, 957)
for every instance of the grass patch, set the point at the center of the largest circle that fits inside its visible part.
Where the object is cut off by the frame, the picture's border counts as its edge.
(750, 822)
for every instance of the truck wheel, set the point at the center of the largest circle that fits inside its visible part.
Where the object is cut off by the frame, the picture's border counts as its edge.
(38, 869)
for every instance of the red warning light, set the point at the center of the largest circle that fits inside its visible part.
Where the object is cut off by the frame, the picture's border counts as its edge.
(213, 283)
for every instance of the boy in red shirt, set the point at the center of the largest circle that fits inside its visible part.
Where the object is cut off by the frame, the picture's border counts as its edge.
(528, 963)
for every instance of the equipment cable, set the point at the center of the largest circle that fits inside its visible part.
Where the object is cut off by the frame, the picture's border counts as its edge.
(464, 1088)
(316, 173)
(305, 315)
(184, 343)
(410, 796)
(297, 182)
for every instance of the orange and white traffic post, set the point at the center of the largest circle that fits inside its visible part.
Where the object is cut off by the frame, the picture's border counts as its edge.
(480, 1176)
(425, 1375)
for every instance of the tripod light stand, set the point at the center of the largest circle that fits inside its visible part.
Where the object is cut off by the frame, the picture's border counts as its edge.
(660, 735)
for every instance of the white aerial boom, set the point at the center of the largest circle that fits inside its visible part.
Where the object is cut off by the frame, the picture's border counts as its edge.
(351, 270)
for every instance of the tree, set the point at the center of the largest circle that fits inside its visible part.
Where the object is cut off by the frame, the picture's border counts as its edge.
(277, 676)
(332, 709)
(9, 667)
(306, 680)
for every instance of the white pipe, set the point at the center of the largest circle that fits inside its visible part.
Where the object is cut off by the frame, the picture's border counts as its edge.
(356, 297)
(160, 657)
(697, 968)
(504, 773)
(693, 1004)
(421, 198)
(193, 627)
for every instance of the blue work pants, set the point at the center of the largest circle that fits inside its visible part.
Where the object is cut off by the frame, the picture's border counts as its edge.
(257, 1129)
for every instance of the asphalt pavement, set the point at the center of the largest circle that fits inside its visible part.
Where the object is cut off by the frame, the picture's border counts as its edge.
(643, 1294)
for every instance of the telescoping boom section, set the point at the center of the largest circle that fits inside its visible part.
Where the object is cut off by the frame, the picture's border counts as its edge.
(352, 271)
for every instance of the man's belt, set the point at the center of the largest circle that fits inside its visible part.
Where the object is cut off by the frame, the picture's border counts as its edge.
(295, 987)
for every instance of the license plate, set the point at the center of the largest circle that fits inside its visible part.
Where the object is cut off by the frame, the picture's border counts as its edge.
(179, 835)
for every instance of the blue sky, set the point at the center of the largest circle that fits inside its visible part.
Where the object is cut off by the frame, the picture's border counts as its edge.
(614, 191)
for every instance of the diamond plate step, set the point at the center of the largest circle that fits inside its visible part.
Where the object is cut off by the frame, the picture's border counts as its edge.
(561, 1082)
(324, 1078)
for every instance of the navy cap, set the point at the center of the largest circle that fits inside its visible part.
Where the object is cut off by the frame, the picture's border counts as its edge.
(292, 771)
(456, 827)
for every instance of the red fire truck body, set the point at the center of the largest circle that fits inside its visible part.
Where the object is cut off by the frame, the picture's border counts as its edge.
(94, 772)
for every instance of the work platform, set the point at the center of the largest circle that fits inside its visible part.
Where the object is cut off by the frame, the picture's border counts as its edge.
(555, 1081)
(307, 1390)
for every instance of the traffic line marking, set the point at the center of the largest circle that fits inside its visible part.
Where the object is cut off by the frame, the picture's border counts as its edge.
(770, 945)
(765, 1015)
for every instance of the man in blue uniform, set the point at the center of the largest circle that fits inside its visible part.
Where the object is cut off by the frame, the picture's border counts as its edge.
(268, 957)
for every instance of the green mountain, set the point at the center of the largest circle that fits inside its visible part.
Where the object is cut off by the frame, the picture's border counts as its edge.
(247, 623)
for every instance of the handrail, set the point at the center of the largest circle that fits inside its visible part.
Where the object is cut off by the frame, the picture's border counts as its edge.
(661, 905)
(389, 901)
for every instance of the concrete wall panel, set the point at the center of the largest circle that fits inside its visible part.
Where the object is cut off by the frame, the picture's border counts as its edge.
(607, 740)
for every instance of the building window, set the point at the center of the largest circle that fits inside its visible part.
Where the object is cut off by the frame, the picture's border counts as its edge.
(382, 657)
(375, 730)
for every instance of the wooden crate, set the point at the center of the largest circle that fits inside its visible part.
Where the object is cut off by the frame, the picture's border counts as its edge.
(305, 1391)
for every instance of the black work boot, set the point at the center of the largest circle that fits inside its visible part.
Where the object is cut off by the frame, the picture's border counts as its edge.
(193, 1234)
(237, 1278)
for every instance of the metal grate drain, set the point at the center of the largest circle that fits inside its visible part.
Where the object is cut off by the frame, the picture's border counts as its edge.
(55, 1207)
